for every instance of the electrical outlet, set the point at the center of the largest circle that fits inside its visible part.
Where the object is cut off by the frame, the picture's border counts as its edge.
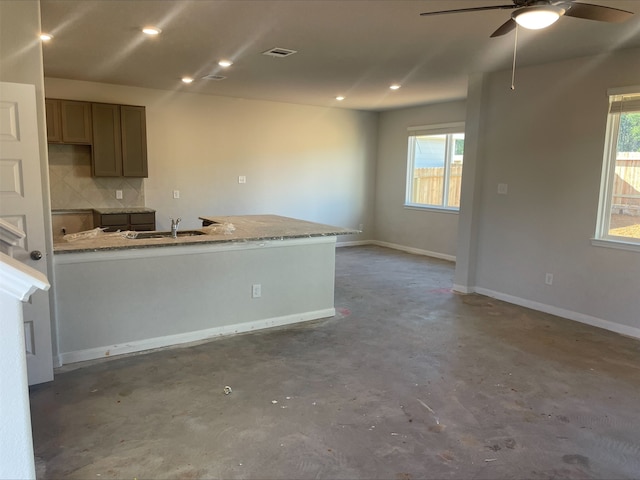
(548, 279)
(242, 179)
(176, 194)
(256, 290)
(118, 194)
(361, 227)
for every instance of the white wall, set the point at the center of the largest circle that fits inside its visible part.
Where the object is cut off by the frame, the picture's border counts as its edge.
(546, 141)
(429, 231)
(312, 163)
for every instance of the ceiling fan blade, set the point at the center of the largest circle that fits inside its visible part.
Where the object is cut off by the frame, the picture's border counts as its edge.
(597, 12)
(505, 28)
(472, 9)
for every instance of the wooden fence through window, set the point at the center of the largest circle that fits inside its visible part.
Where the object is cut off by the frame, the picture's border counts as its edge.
(626, 184)
(428, 185)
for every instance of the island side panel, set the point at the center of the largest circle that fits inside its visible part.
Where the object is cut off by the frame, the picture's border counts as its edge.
(110, 302)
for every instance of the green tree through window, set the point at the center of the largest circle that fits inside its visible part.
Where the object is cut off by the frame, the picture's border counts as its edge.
(629, 135)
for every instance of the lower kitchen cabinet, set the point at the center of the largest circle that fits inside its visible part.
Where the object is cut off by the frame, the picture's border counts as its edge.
(112, 222)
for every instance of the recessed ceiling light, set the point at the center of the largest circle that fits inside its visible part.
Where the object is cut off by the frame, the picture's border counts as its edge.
(339, 98)
(395, 86)
(151, 30)
(187, 79)
(45, 37)
(225, 63)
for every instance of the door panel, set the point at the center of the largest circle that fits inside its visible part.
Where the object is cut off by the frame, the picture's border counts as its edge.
(21, 205)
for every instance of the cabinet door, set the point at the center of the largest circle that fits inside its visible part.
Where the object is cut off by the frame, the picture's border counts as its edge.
(134, 141)
(54, 134)
(143, 219)
(107, 146)
(75, 122)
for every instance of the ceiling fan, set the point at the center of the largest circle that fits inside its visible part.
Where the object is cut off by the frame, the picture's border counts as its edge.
(536, 14)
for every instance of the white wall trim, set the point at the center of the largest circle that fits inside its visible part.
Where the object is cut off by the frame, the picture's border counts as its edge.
(180, 338)
(463, 289)
(417, 251)
(617, 244)
(355, 243)
(561, 312)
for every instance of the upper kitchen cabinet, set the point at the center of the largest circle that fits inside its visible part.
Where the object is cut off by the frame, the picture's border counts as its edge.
(68, 121)
(119, 141)
(133, 124)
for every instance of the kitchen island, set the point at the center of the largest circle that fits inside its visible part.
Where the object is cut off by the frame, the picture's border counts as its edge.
(118, 295)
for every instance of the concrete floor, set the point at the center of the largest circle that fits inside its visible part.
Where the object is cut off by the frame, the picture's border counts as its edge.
(409, 381)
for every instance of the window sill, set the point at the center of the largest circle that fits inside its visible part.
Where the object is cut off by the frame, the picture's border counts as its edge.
(413, 206)
(616, 244)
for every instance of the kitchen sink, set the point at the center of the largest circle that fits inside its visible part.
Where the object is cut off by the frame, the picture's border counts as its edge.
(181, 233)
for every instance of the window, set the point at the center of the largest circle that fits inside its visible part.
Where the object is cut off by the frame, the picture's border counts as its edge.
(434, 166)
(619, 213)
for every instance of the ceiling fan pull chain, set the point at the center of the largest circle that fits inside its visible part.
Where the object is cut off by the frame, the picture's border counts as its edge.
(513, 69)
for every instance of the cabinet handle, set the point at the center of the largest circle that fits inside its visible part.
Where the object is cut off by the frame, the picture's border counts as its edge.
(36, 255)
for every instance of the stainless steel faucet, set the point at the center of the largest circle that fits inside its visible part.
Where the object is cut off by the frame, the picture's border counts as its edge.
(174, 227)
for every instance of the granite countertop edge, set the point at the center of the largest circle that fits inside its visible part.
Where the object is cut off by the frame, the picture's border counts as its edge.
(71, 211)
(103, 211)
(187, 241)
(246, 228)
(117, 210)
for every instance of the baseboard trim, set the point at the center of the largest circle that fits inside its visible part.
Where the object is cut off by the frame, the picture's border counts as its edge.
(561, 312)
(463, 289)
(416, 251)
(180, 338)
(355, 243)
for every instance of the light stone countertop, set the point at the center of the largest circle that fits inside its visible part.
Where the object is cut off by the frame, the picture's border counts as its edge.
(116, 210)
(247, 228)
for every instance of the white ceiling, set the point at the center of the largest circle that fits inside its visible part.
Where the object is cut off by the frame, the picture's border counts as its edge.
(355, 48)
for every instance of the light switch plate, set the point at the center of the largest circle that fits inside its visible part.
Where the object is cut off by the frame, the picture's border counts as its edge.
(242, 179)
(503, 188)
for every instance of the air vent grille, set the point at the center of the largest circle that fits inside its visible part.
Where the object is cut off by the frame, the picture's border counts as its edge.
(213, 77)
(279, 52)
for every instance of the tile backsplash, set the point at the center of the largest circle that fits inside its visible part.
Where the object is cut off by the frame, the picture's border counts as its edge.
(73, 187)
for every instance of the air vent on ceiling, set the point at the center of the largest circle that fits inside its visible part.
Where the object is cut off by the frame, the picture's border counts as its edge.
(279, 52)
(213, 77)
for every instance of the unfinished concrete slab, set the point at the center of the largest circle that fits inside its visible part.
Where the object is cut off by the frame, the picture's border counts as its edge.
(409, 381)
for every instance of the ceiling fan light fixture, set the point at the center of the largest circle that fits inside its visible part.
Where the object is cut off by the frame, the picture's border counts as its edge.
(537, 17)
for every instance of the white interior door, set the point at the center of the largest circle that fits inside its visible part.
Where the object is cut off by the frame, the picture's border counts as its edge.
(21, 205)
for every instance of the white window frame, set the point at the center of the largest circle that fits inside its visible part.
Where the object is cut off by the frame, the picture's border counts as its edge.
(436, 129)
(602, 237)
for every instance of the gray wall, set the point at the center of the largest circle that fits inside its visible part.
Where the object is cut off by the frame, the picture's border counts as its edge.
(306, 162)
(163, 296)
(424, 230)
(546, 141)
